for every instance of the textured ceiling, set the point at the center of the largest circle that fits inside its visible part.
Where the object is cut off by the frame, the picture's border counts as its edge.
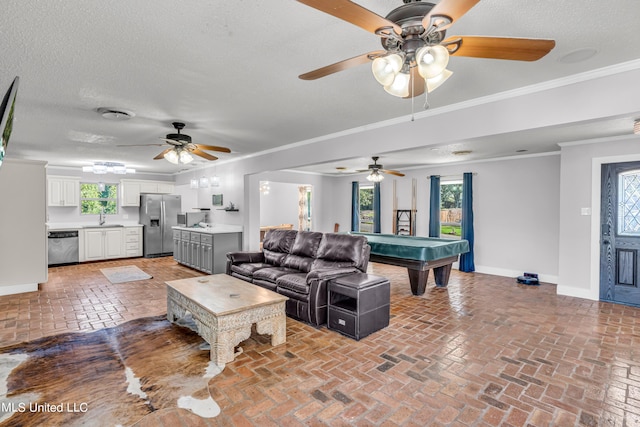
(229, 71)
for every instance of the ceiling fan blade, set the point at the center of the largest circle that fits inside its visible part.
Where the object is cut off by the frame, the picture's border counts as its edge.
(517, 49)
(213, 148)
(341, 66)
(445, 13)
(161, 155)
(140, 145)
(391, 172)
(353, 13)
(201, 153)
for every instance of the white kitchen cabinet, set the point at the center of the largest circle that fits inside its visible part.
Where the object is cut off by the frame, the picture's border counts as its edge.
(130, 190)
(132, 241)
(165, 187)
(129, 193)
(63, 191)
(103, 243)
(148, 187)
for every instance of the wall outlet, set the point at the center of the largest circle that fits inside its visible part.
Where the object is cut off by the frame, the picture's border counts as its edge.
(585, 211)
(125, 216)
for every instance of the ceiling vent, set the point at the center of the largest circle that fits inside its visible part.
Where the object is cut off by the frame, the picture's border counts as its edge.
(115, 114)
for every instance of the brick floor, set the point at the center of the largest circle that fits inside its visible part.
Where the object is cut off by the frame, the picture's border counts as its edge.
(483, 352)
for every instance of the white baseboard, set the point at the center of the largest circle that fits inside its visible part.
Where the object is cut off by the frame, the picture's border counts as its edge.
(18, 289)
(546, 278)
(577, 292)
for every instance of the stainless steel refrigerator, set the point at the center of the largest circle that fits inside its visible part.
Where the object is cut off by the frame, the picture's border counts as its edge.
(158, 213)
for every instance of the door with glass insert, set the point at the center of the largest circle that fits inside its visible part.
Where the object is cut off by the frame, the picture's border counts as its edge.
(620, 233)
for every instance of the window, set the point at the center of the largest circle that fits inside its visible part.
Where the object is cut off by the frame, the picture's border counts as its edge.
(629, 203)
(366, 209)
(451, 209)
(94, 197)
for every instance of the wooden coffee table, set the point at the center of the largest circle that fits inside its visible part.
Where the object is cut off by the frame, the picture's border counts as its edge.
(224, 309)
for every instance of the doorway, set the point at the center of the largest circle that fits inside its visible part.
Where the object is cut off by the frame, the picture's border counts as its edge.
(620, 233)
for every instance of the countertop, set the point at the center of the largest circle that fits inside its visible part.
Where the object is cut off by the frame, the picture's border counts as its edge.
(215, 229)
(60, 226)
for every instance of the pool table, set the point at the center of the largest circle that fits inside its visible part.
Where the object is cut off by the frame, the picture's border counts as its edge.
(418, 254)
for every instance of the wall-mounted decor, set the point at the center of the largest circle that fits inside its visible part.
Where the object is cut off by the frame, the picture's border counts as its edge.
(216, 199)
(6, 117)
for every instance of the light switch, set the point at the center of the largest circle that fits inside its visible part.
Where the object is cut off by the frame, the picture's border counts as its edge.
(125, 216)
(585, 211)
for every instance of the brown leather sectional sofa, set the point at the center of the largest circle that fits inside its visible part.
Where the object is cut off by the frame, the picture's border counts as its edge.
(299, 264)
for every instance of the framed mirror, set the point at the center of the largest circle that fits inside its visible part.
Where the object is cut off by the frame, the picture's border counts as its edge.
(216, 199)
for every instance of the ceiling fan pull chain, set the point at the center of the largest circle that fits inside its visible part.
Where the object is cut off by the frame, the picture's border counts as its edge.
(412, 97)
(426, 100)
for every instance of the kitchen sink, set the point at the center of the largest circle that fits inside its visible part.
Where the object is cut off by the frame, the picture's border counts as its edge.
(103, 226)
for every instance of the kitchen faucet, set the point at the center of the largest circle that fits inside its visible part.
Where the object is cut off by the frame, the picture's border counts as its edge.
(102, 217)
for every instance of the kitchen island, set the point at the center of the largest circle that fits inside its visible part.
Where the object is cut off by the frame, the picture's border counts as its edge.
(205, 249)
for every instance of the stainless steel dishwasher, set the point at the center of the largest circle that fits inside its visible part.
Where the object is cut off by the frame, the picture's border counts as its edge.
(63, 247)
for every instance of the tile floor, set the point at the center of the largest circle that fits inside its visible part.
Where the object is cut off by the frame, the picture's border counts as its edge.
(483, 352)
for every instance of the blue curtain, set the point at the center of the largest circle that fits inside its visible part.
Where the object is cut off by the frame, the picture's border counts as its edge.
(376, 207)
(466, 260)
(434, 206)
(355, 206)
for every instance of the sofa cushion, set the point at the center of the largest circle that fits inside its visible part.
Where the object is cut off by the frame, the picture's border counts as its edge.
(247, 269)
(324, 264)
(299, 263)
(296, 282)
(274, 258)
(272, 274)
(279, 240)
(306, 244)
(342, 248)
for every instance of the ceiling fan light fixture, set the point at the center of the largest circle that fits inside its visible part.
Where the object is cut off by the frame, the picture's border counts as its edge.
(375, 176)
(184, 157)
(432, 60)
(101, 168)
(435, 82)
(400, 85)
(386, 68)
(172, 157)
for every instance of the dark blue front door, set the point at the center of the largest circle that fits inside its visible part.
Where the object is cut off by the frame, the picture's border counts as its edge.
(620, 233)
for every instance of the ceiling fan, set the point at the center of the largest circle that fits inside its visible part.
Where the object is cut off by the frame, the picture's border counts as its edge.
(416, 49)
(182, 147)
(376, 170)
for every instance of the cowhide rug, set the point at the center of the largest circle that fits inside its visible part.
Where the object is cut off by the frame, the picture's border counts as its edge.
(109, 377)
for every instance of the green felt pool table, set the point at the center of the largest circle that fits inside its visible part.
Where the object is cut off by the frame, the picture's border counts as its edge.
(418, 254)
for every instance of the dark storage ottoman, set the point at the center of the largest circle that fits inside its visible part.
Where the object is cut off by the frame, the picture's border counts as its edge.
(358, 304)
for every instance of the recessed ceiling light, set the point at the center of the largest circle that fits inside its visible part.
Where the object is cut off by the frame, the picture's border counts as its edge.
(461, 152)
(115, 114)
(578, 55)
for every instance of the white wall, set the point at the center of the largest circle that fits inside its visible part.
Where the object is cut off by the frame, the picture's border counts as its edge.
(516, 211)
(23, 232)
(280, 205)
(580, 188)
